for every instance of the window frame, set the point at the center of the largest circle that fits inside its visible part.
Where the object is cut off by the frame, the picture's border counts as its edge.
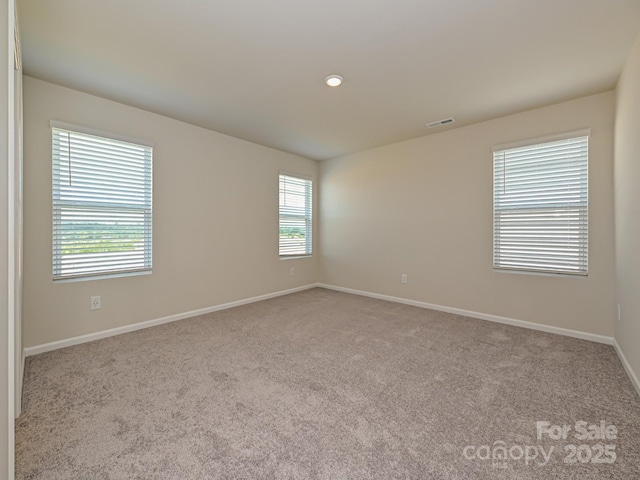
(307, 216)
(581, 207)
(95, 206)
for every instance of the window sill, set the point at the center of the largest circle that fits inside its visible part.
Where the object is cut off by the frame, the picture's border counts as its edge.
(104, 276)
(294, 257)
(541, 274)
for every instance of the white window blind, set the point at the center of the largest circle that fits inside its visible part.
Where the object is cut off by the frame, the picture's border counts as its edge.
(101, 205)
(295, 216)
(540, 207)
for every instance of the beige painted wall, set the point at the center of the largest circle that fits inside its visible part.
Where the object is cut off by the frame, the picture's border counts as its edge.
(627, 206)
(424, 207)
(215, 220)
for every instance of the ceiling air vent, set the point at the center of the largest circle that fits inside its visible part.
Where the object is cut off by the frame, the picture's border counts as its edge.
(439, 123)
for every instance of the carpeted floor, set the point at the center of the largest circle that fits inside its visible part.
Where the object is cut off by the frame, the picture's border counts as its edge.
(326, 385)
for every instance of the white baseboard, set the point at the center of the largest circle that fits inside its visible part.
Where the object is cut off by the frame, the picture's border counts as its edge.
(47, 347)
(482, 316)
(627, 366)
(508, 321)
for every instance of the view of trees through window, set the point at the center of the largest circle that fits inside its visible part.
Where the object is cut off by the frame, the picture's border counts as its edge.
(295, 216)
(101, 205)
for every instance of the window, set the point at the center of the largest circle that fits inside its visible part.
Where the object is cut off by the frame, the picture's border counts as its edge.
(101, 205)
(540, 205)
(295, 216)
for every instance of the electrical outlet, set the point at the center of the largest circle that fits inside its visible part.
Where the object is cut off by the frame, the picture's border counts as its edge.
(96, 303)
(292, 271)
(619, 314)
(403, 278)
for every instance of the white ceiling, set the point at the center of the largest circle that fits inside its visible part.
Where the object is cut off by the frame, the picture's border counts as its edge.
(255, 69)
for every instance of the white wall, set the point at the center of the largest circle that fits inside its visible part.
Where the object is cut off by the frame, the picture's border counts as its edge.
(7, 278)
(424, 207)
(215, 220)
(16, 223)
(627, 207)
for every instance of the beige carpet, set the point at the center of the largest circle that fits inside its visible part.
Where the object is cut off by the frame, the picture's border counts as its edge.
(325, 385)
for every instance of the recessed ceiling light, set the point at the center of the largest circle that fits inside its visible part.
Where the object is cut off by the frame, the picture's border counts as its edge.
(333, 80)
